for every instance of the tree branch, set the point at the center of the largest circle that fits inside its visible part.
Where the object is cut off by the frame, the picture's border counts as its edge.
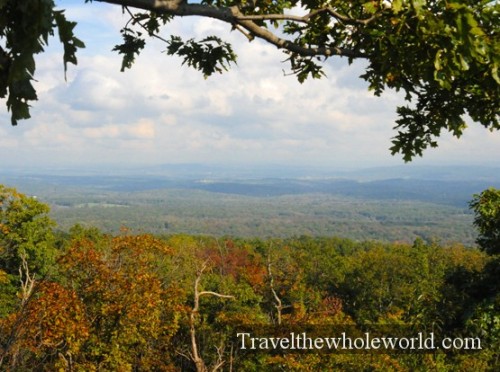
(234, 16)
(27, 283)
(196, 357)
(134, 18)
(307, 17)
(279, 304)
(214, 294)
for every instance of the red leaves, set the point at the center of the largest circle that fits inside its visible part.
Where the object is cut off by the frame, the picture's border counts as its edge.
(236, 262)
(111, 311)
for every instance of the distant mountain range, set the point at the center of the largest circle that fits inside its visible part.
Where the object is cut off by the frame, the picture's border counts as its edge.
(245, 171)
(443, 185)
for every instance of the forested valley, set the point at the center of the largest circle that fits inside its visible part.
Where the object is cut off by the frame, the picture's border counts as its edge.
(315, 273)
(86, 300)
(393, 204)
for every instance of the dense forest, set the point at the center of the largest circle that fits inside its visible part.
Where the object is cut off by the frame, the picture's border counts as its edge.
(383, 206)
(88, 296)
(84, 300)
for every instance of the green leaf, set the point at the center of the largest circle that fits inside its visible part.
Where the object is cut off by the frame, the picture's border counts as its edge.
(418, 5)
(208, 55)
(494, 73)
(24, 89)
(20, 110)
(131, 46)
(370, 7)
(70, 42)
(437, 60)
(463, 62)
(397, 5)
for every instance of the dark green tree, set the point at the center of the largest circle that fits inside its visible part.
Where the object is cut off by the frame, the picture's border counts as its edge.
(486, 207)
(443, 54)
(486, 317)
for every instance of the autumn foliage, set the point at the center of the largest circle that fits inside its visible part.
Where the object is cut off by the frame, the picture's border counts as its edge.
(147, 303)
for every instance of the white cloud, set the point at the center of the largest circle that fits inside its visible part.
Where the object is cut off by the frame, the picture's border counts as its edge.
(92, 90)
(143, 130)
(7, 141)
(161, 112)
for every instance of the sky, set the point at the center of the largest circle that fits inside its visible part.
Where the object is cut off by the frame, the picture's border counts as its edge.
(161, 112)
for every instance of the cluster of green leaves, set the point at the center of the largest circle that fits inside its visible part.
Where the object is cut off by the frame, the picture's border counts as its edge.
(443, 54)
(126, 303)
(134, 38)
(208, 55)
(25, 231)
(25, 28)
(486, 207)
(460, 38)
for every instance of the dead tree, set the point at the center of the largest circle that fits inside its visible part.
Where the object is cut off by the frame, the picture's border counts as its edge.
(195, 355)
(278, 303)
(27, 281)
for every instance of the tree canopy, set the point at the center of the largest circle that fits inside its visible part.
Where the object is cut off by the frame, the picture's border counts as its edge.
(177, 303)
(442, 55)
(486, 207)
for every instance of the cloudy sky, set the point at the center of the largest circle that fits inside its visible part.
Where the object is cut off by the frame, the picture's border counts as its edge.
(161, 112)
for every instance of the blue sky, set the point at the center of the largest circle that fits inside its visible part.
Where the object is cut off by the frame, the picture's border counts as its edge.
(162, 112)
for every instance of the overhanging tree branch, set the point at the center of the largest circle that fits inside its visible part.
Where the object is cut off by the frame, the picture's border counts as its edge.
(443, 56)
(234, 16)
(307, 17)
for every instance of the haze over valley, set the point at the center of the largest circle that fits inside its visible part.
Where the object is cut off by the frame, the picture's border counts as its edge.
(387, 203)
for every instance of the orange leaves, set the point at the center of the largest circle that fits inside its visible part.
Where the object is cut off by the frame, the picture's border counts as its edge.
(51, 323)
(331, 305)
(125, 301)
(55, 319)
(128, 302)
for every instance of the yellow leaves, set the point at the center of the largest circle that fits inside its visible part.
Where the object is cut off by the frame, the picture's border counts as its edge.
(123, 302)
(469, 259)
(390, 77)
(395, 316)
(124, 296)
(4, 229)
(4, 278)
(396, 5)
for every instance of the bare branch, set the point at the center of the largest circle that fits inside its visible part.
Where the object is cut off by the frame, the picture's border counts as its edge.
(220, 361)
(195, 355)
(28, 282)
(188, 357)
(134, 18)
(343, 18)
(27, 290)
(203, 293)
(249, 36)
(279, 304)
